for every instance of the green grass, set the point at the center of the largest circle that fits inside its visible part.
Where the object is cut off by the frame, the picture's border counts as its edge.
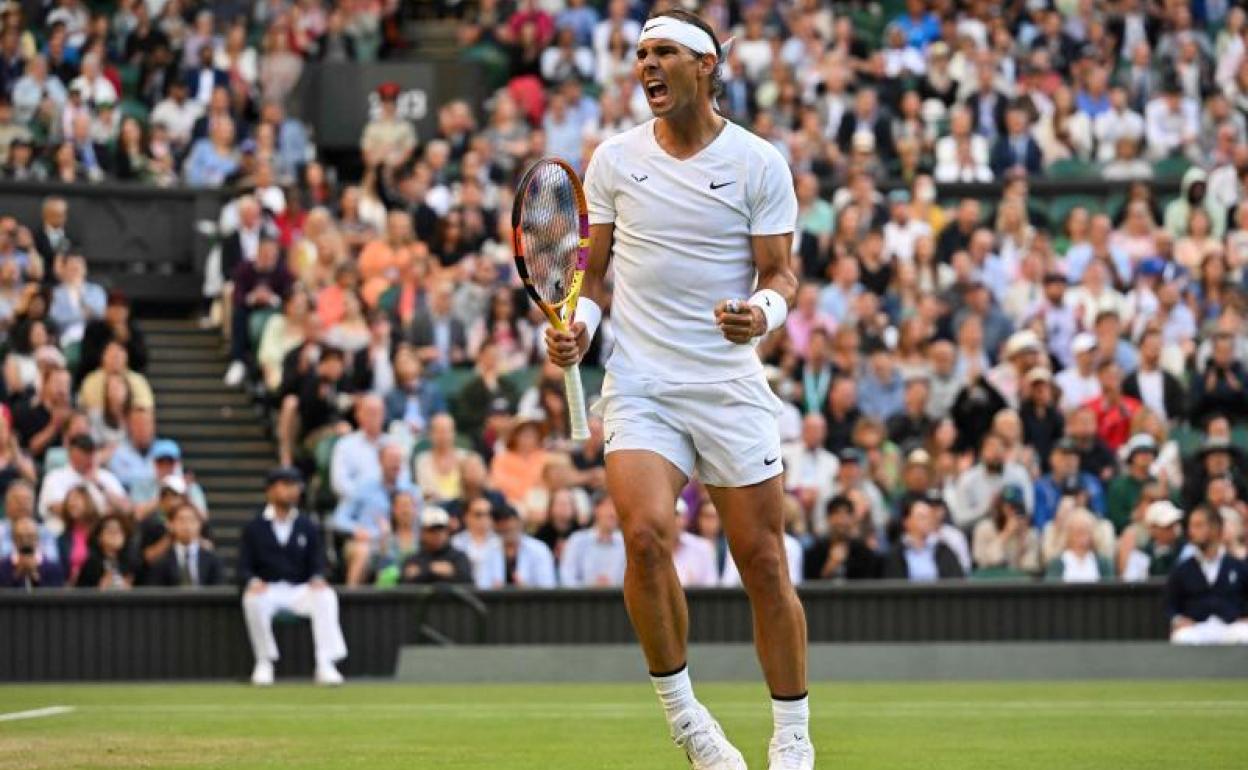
(928, 726)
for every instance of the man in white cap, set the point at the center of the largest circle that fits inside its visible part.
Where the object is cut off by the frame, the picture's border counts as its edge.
(1079, 383)
(694, 214)
(1021, 354)
(1157, 557)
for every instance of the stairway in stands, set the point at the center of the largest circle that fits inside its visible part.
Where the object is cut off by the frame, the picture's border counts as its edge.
(222, 437)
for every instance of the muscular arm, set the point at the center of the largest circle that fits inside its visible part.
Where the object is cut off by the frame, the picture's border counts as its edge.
(566, 348)
(772, 260)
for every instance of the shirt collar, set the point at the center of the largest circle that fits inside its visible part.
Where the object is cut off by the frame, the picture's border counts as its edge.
(1217, 557)
(271, 515)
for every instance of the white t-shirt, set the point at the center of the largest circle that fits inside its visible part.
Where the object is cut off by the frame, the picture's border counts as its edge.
(682, 244)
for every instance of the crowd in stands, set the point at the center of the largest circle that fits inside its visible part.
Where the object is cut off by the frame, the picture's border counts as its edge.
(92, 495)
(974, 387)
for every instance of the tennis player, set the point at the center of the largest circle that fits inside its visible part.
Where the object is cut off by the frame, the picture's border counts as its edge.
(696, 214)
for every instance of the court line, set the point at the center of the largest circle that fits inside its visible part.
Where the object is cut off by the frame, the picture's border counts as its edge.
(50, 711)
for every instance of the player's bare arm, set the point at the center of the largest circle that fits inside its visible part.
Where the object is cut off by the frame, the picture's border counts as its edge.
(741, 322)
(565, 348)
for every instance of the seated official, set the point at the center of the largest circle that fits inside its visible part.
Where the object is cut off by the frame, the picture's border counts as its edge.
(187, 563)
(437, 561)
(920, 555)
(1207, 595)
(281, 565)
(28, 567)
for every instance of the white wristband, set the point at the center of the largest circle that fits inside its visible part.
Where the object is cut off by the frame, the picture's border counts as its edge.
(588, 313)
(774, 307)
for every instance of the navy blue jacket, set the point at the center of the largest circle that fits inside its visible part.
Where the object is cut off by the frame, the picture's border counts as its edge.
(1189, 594)
(260, 555)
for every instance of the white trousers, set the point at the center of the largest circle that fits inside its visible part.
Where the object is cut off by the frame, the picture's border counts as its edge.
(1212, 631)
(321, 606)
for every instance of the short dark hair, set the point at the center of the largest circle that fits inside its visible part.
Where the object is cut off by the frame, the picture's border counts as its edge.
(1212, 515)
(717, 80)
(838, 504)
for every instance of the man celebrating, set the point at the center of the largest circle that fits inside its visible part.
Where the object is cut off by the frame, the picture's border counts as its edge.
(691, 200)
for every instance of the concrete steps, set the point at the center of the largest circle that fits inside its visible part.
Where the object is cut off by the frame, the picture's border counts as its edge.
(222, 435)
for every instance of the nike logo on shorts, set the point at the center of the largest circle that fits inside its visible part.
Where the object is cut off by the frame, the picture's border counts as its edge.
(722, 184)
(771, 461)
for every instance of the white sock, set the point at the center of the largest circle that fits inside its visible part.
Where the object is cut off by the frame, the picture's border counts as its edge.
(791, 715)
(675, 692)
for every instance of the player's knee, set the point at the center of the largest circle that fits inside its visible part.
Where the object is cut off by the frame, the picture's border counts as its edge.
(763, 568)
(647, 546)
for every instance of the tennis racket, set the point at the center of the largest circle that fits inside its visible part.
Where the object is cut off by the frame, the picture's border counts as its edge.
(550, 231)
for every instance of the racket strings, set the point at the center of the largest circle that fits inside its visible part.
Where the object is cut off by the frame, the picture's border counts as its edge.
(549, 230)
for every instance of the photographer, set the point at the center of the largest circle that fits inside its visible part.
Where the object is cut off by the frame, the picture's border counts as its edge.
(27, 567)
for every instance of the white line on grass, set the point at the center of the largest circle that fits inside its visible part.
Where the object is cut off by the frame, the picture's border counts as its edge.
(50, 711)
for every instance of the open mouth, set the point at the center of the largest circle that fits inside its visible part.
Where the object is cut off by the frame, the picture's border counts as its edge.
(656, 89)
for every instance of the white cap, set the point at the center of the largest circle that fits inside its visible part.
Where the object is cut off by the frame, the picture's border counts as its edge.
(433, 516)
(174, 483)
(1020, 342)
(1083, 343)
(1162, 513)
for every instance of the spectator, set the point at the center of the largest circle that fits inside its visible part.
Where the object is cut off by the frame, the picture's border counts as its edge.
(74, 545)
(810, 469)
(437, 561)
(364, 515)
(1207, 595)
(881, 388)
(388, 139)
(518, 560)
(115, 361)
(414, 403)
(214, 157)
(26, 566)
(1005, 543)
(83, 470)
(438, 336)
(594, 556)
(1016, 148)
(111, 565)
(281, 566)
(1125, 488)
(76, 301)
(116, 325)
(1079, 383)
(840, 553)
(188, 563)
(1113, 411)
(356, 459)
(260, 286)
(133, 461)
(1079, 559)
(19, 503)
(920, 555)
(979, 485)
(1220, 387)
(1159, 556)
(1151, 385)
(400, 540)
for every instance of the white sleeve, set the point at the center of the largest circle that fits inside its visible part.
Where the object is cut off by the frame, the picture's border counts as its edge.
(773, 203)
(600, 188)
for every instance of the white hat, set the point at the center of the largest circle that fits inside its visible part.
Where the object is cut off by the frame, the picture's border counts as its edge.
(1020, 342)
(174, 483)
(1083, 343)
(1038, 374)
(433, 516)
(1162, 513)
(1141, 442)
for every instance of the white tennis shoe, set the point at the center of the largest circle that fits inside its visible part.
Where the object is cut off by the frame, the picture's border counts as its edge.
(262, 674)
(704, 742)
(791, 750)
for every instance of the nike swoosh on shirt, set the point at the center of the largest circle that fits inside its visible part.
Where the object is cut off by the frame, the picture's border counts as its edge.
(642, 178)
(771, 461)
(715, 186)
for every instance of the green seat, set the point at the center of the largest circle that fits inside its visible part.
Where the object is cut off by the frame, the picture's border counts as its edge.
(255, 325)
(324, 453)
(73, 354)
(999, 573)
(1061, 206)
(461, 441)
(129, 74)
(1170, 168)
(1073, 168)
(453, 380)
(133, 108)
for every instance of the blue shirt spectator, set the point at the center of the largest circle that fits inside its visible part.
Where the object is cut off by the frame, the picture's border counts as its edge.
(919, 28)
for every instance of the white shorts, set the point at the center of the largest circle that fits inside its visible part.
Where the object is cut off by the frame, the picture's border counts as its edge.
(725, 432)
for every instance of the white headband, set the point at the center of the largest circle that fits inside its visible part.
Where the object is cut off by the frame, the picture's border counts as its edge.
(670, 28)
